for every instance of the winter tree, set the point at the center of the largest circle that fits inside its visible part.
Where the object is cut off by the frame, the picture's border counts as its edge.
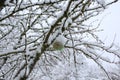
(52, 40)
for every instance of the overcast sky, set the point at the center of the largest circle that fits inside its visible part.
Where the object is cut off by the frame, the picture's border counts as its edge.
(111, 24)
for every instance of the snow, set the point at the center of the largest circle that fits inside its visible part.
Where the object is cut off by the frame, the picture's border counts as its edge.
(67, 22)
(10, 52)
(101, 2)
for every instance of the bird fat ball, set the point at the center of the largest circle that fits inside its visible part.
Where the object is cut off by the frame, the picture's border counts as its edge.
(57, 45)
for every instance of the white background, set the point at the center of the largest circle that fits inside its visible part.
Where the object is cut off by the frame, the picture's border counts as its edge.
(111, 24)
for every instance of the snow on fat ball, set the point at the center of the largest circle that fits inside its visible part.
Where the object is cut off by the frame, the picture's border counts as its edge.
(58, 44)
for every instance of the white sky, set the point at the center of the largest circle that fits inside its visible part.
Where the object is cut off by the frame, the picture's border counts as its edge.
(111, 24)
